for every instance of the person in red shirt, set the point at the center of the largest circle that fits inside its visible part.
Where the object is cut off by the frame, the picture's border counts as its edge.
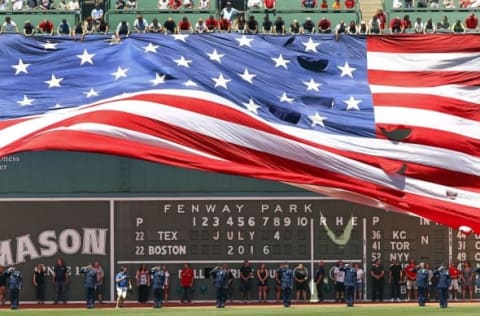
(406, 23)
(349, 4)
(175, 4)
(471, 22)
(382, 18)
(184, 26)
(324, 26)
(186, 282)
(269, 4)
(211, 23)
(410, 279)
(45, 27)
(396, 25)
(324, 4)
(454, 276)
(224, 26)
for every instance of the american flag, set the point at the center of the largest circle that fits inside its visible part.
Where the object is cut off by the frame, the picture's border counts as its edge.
(391, 122)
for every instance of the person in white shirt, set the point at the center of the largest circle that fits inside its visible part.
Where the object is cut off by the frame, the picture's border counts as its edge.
(163, 4)
(204, 4)
(17, 5)
(254, 4)
(229, 12)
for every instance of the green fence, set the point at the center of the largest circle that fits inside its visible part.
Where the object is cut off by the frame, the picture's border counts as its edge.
(35, 16)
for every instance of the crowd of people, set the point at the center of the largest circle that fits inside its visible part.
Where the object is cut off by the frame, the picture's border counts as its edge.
(410, 281)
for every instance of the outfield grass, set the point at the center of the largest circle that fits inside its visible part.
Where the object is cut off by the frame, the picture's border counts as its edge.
(324, 310)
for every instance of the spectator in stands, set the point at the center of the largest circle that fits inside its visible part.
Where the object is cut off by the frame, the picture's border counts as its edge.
(32, 4)
(418, 26)
(341, 28)
(408, 4)
(155, 27)
(397, 4)
(184, 26)
(421, 4)
(88, 26)
(28, 29)
(464, 4)
(225, 26)
(458, 27)
(396, 25)
(62, 5)
(337, 5)
(352, 28)
(230, 12)
(269, 4)
(324, 5)
(308, 27)
(123, 30)
(374, 26)
(475, 4)
(252, 25)
(45, 27)
(175, 4)
(17, 5)
(363, 28)
(78, 31)
(309, 4)
(3, 5)
(349, 4)
(279, 26)
(131, 4)
(204, 4)
(96, 13)
(211, 23)
(449, 4)
(162, 4)
(471, 23)
(45, 4)
(102, 26)
(444, 24)
(239, 25)
(429, 27)
(64, 28)
(407, 24)
(200, 26)
(254, 4)
(140, 25)
(295, 27)
(382, 19)
(188, 4)
(324, 25)
(434, 4)
(267, 25)
(170, 26)
(73, 5)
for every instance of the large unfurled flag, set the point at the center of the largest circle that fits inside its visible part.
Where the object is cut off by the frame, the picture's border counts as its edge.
(386, 121)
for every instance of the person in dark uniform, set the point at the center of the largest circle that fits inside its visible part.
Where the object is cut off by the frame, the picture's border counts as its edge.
(319, 276)
(443, 284)
(350, 284)
(262, 277)
(300, 274)
(378, 274)
(158, 285)
(60, 281)
(3, 284)
(287, 284)
(246, 274)
(220, 281)
(422, 281)
(90, 283)
(39, 283)
(14, 282)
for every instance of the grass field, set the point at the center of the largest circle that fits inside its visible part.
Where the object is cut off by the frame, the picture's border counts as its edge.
(456, 309)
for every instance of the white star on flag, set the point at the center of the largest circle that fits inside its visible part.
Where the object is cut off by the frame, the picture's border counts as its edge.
(26, 101)
(347, 70)
(311, 45)
(252, 106)
(158, 79)
(54, 82)
(150, 48)
(317, 119)
(91, 93)
(180, 37)
(285, 98)
(190, 83)
(215, 56)
(120, 73)
(221, 81)
(86, 57)
(280, 62)
(20, 67)
(247, 76)
(182, 62)
(352, 103)
(312, 85)
(244, 41)
(49, 45)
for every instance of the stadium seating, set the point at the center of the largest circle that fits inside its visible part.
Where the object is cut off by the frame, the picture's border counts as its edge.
(334, 16)
(35, 16)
